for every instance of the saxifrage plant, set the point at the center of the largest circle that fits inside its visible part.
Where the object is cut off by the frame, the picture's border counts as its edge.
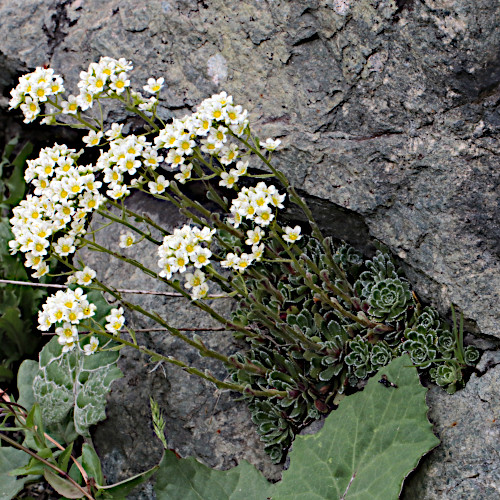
(319, 318)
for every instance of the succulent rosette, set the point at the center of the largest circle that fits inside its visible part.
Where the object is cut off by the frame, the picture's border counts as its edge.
(359, 358)
(389, 299)
(420, 345)
(447, 375)
(429, 318)
(471, 355)
(381, 355)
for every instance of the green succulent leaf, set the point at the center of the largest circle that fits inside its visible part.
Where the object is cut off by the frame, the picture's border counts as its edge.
(364, 451)
(73, 381)
(389, 299)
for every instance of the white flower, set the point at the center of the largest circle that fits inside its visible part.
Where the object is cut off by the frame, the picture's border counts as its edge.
(85, 276)
(70, 107)
(119, 82)
(154, 85)
(228, 179)
(244, 261)
(292, 234)
(64, 246)
(258, 251)
(254, 236)
(184, 174)
(231, 260)
(114, 132)
(115, 320)
(91, 347)
(194, 279)
(271, 144)
(93, 138)
(241, 168)
(127, 239)
(199, 292)
(200, 257)
(159, 185)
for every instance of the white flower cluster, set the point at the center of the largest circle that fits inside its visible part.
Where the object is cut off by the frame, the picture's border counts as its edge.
(257, 204)
(211, 123)
(83, 277)
(34, 89)
(126, 155)
(182, 249)
(109, 75)
(64, 194)
(66, 309)
(115, 320)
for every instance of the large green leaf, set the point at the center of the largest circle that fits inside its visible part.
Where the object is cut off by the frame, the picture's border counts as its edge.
(11, 458)
(67, 381)
(188, 479)
(364, 451)
(25, 376)
(368, 446)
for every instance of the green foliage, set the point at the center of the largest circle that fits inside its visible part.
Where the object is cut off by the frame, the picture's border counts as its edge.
(18, 310)
(72, 382)
(18, 304)
(39, 438)
(364, 451)
(12, 185)
(11, 458)
(188, 479)
(385, 321)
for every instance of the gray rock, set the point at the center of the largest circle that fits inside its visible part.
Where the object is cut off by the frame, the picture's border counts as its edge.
(467, 462)
(386, 108)
(388, 112)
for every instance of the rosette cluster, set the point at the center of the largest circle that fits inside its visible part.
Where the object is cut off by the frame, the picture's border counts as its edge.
(66, 310)
(185, 249)
(53, 217)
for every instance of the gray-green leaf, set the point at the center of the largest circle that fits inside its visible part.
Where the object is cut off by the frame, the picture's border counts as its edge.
(10, 459)
(366, 447)
(188, 479)
(67, 381)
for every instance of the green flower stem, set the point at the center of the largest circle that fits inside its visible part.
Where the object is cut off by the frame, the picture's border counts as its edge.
(224, 280)
(336, 290)
(206, 213)
(199, 156)
(131, 107)
(76, 117)
(325, 298)
(189, 202)
(108, 215)
(135, 215)
(56, 469)
(458, 333)
(201, 305)
(204, 351)
(292, 335)
(295, 198)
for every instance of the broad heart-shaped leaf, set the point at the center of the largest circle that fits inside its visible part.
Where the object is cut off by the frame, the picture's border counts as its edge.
(188, 479)
(366, 447)
(25, 376)
(10, 459)
(71, 380)
(364, 451)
